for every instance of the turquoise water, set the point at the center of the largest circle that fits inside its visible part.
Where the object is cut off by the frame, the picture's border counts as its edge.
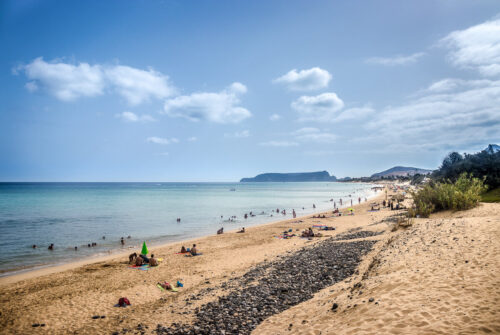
(75, 214)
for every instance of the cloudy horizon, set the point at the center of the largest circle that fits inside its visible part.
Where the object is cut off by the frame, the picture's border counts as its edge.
(217, 92)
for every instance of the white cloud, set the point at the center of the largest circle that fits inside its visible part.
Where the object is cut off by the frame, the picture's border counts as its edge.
(314, 135)
(221, 107)
(459, 114)
(396, 60)
(477, 47)
(162, 140)
(65, 81)
(132, 117)
(69, 82)
(321, 108)
(238, 134)
(279, 144)
(305, 80)
(192, 139)
(275, 117)
(31, 86)
(358, 113)
(138, 86)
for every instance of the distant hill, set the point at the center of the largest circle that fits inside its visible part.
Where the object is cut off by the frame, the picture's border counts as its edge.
(493, 148)
(291, 177)
(400, 171)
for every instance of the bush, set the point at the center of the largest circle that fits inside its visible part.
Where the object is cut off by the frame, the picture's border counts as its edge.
(464, 193)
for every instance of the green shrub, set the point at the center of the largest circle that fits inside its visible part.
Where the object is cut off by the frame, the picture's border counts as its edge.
(464, 193)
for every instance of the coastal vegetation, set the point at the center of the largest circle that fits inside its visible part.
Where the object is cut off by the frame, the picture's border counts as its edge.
(484, 164)
(464, 193)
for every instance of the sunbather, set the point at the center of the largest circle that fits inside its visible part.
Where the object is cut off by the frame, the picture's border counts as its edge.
(183, 250)
(193, 250)
(242, 230)
(153, 261)
(132, 258)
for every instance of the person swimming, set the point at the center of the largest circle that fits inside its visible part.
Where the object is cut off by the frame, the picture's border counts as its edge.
(51, 246)
(122, 241)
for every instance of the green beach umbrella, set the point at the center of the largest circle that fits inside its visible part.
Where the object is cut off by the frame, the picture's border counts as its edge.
(144, 249)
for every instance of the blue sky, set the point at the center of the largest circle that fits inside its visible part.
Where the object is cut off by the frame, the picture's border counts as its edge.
(219, 90)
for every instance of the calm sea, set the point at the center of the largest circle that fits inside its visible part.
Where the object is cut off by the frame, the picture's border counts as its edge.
(76, 214)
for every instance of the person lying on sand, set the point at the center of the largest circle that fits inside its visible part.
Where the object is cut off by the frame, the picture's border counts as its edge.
(153, 261)
(308, 233)
(144, 258)
(165, 285)
(242, 230)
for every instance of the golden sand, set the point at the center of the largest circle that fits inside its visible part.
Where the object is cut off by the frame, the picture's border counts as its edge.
(418, 277)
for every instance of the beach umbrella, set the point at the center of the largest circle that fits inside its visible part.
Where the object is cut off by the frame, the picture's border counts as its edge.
(144, 249)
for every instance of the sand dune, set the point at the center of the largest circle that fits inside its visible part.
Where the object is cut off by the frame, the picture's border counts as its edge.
(441, 276)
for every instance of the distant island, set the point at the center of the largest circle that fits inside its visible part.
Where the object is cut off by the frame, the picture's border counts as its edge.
(400, 171)
(291, 177)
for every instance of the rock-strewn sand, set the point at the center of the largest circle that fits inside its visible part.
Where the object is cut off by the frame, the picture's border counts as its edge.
(439, 276)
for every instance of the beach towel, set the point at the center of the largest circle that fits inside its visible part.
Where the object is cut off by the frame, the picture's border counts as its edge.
(144, 267)
(319, 225)
(198, 254)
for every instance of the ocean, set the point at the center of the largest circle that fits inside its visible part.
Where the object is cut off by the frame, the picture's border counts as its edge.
(78, 214)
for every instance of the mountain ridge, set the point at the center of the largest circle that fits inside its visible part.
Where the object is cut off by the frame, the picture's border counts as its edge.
(291, 177)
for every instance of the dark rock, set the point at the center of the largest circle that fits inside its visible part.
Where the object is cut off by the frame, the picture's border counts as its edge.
(335, 306)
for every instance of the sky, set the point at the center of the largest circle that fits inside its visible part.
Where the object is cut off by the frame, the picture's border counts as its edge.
(220, 90)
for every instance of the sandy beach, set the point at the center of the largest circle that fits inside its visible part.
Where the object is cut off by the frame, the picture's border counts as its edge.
(438, 276)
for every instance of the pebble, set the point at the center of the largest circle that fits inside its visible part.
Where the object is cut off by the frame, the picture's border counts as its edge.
(283, 283)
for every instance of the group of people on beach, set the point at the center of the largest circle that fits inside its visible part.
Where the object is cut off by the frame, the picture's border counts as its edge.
(140, 260)
(191, 251)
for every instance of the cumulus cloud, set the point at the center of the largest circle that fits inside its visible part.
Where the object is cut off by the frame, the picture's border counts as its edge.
(192, 139)
(275, 117)
(68, 82)
(162, 140)
(138, 86)
(314, 135)
(477, 47)
(321, 108)
(221, 107)
(132, 117)
(305, 80)
(279, 144)
(396, 60)
(459, 114)
(238, 134)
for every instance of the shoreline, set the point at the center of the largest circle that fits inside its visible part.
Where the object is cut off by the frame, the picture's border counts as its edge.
(414, 280)
(14, 276)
